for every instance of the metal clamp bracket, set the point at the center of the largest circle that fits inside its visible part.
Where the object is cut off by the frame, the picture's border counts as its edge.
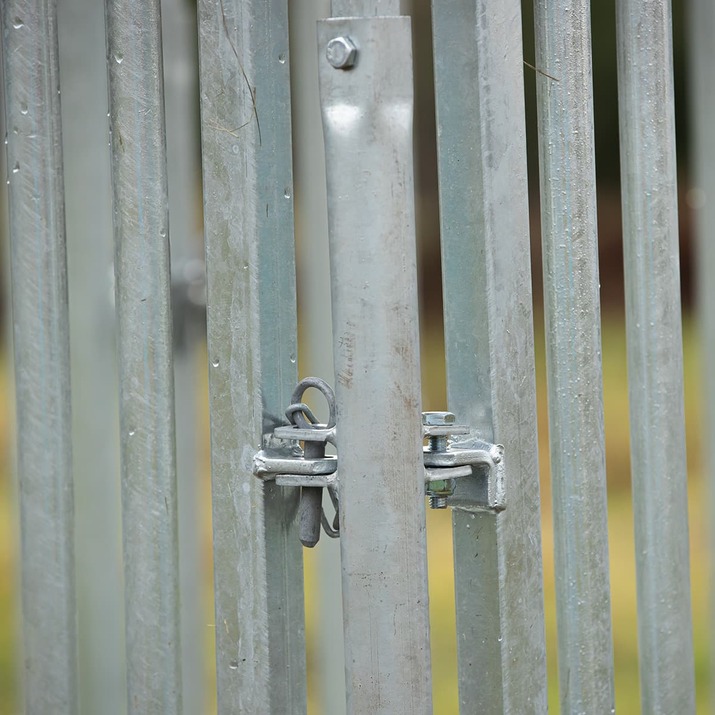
(446, 459)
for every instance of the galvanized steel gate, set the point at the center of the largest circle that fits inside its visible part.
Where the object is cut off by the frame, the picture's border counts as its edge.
(267, 493)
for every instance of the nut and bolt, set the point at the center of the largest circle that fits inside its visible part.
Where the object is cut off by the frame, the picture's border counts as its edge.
(437, 419)
(438, 491)
(341, 53)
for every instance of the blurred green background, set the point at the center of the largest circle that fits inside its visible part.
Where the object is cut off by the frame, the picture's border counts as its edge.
(622, 552)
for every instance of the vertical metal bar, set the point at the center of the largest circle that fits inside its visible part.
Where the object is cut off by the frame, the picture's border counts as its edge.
(573, 353)
(364, 8)
(180, 54)
(490, 348)
(367, 122)
(248, 219)
(88, 203)
(41, 340)
(701, 28)
(315, 320)
(146, 393)
(655, 354)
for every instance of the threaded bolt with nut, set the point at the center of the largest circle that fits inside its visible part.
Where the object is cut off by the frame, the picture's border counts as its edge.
(437, 443)
(439, 491)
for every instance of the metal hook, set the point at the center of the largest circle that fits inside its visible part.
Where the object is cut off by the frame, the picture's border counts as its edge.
(311, 514)
(332, 531)
(297, 416)
(300, 408)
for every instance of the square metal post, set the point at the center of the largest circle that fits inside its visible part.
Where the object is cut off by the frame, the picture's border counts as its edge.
(41, 342)
(146, 377)
(181, 92)
(365, 69)
(701, 30)
(248, 219)
(95, 412)
(655, 354)
(486, 276)
(573, 353)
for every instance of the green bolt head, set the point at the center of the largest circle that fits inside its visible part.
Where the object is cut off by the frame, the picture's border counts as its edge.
(440, 488)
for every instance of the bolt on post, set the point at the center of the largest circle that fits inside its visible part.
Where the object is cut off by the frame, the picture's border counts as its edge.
(438, 491)
(341, 53)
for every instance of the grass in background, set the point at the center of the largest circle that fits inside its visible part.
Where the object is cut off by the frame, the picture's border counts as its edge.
(622, 554)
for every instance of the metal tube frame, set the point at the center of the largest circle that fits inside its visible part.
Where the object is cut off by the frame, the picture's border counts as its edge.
(314, 272)
(367, 108)
(655, 354)
(146, 395)
(315, 322)
(248, 218)
(489, 349)
(180, 55)
(41, 345)
(364, 8)
(95, 414)
(701, 30)
(573, 353)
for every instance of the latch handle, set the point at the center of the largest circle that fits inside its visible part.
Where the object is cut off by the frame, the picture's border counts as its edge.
(310, 510)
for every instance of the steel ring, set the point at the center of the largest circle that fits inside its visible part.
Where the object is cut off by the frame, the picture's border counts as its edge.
(322, 387)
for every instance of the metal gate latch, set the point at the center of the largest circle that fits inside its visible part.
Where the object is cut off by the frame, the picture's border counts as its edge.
(310, 468)
(446, 459)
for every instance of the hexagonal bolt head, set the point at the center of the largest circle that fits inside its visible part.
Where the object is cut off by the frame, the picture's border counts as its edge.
(438, 419)
(341, 53)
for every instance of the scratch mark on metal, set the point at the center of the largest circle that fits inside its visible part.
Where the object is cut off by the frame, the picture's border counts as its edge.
(251, 90)
(538, 71)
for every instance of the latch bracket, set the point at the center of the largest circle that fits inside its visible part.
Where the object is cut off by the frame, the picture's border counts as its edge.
(452, 453)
